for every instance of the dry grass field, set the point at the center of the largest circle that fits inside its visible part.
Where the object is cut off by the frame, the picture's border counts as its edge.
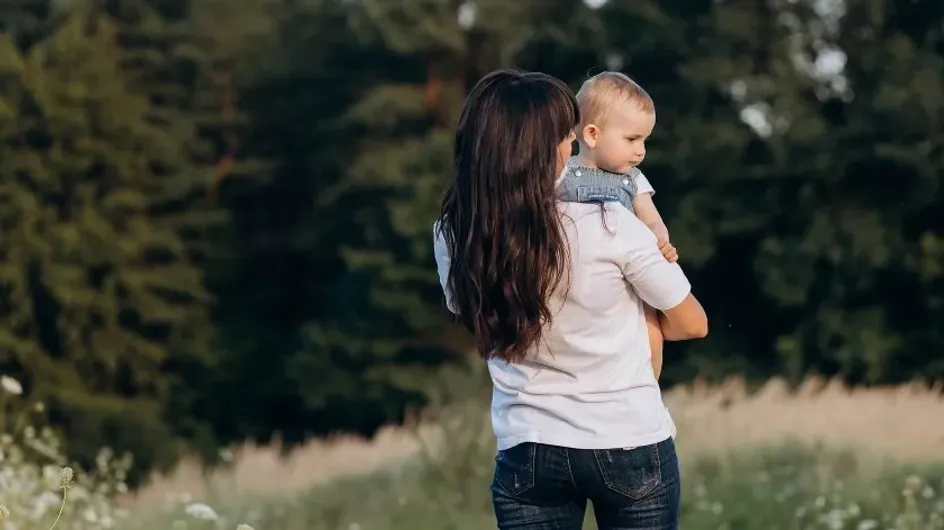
(821, 458)
(904, 422)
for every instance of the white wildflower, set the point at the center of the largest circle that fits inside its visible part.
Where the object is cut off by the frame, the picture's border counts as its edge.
(10, 385)
(202, 511)
(45, 503)
(913, 483)
(36, 487)
(834, 520)
(65, 477)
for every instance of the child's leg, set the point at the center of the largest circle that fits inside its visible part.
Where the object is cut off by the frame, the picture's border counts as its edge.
(655, 339)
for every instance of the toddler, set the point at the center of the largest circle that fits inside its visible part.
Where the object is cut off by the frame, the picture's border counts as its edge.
(617, 116)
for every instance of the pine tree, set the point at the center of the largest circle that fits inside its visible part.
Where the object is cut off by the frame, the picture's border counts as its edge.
(101, 299)
(421, 56)
(859, 251)
(288, 225)
(196, 60)
(26, 22)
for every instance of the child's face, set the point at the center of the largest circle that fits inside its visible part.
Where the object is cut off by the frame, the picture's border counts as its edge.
(620, 145)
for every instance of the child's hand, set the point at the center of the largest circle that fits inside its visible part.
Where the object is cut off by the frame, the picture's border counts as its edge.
(668, 250)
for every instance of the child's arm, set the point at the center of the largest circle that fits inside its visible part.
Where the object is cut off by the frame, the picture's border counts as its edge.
(644, 207)
(649, 215)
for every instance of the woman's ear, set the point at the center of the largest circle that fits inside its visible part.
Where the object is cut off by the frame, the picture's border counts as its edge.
(589, 135)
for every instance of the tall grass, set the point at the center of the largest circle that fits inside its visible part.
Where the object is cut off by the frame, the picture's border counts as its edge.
(440, 480)
(787, 486)
(899, 420)
(40, 490)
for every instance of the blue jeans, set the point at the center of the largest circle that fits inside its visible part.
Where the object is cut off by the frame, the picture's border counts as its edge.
(544, 487)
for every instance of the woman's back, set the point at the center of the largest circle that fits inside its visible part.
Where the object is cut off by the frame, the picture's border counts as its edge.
(552, 294)
(589, 382)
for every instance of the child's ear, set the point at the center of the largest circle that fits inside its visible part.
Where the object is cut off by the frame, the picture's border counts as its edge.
(589, 135)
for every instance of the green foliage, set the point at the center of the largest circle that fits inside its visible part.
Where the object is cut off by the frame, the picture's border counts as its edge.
(839, 209)
(213, 203)
(100, 296)
(286, 282)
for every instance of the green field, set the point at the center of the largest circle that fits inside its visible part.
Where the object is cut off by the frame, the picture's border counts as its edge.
(787, 487)
(782, 485)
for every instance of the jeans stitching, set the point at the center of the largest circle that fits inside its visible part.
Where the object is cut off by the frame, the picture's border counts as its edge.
(622, 491)
(570, 470)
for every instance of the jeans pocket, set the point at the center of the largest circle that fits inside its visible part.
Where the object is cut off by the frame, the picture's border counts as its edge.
(514, 469)
(633, 473)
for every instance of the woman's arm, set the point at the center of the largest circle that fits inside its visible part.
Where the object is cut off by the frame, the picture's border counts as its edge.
(655, 339)
(660, 284)
(685, 321)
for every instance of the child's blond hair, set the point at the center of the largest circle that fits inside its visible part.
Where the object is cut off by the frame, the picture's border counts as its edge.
(601, 91)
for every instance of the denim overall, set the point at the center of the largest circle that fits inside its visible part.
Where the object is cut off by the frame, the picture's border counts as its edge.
(590, 184)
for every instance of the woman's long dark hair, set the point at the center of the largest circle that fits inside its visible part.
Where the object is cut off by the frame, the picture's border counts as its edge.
(499, 216)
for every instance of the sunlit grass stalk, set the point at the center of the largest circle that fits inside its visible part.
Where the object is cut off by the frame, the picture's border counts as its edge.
(65, 481)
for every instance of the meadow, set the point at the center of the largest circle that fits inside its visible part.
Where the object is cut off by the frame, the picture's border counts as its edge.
(822, 457)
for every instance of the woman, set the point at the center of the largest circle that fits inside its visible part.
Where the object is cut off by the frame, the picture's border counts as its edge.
(552, 293)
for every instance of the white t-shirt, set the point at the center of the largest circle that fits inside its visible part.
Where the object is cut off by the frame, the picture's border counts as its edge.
(590, 384)
(642, 183)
